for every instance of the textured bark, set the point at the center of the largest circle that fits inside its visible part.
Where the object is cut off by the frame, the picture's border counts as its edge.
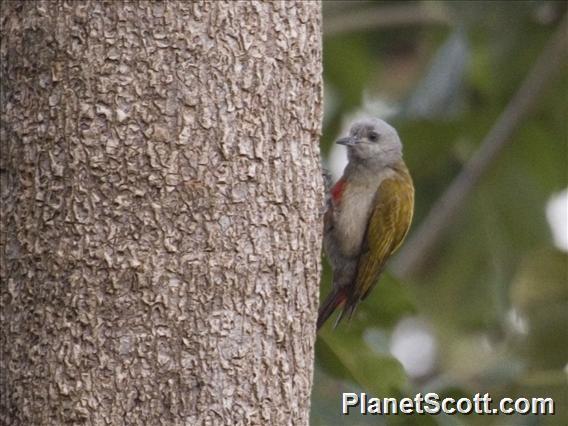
(161, 194)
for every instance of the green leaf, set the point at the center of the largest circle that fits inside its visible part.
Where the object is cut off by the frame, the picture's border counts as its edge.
(345, 354)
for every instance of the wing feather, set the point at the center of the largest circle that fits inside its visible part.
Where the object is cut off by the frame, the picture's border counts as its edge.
(388, 224)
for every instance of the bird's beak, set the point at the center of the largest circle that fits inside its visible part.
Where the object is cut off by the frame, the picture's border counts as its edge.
(347, 141)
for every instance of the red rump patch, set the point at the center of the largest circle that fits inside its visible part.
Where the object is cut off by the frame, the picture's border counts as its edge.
(341, 299)
(337, 190)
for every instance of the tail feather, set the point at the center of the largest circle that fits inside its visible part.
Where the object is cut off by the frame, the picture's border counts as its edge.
(336, 299)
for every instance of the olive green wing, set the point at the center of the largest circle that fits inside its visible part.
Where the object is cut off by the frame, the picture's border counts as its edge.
(388, 225)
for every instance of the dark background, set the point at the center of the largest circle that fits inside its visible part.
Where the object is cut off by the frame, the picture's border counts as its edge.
(486, 307)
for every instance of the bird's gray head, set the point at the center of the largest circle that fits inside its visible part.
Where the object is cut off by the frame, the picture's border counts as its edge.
(372, 141)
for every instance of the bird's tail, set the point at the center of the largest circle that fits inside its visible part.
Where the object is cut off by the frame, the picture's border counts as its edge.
(337, 298)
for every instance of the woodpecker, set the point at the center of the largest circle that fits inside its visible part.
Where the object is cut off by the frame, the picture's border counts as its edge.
(368, 216)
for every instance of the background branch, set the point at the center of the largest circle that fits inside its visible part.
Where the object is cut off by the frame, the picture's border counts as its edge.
(360, 19)
(416, 250)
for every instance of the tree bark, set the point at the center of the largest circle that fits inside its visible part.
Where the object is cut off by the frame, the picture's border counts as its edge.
(161, 192)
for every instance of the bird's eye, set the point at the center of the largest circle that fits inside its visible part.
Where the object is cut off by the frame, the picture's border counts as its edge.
(373, 137)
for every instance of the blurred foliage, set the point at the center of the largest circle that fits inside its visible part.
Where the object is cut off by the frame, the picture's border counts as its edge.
(495, 292)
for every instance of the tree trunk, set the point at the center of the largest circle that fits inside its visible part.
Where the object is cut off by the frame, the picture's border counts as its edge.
(161, 193)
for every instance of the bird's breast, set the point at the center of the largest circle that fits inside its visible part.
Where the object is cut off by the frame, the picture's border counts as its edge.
(352, 216)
